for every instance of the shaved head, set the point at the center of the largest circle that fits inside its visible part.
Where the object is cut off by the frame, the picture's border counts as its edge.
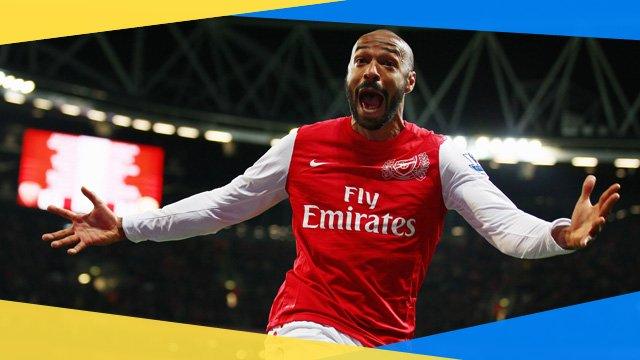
(406, 53)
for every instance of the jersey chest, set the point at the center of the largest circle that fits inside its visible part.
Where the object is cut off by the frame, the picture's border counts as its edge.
(333, 184)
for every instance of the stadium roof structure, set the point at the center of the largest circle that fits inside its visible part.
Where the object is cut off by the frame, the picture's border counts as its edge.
(258, 79)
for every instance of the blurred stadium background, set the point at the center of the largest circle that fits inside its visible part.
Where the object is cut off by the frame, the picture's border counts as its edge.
(540, 112)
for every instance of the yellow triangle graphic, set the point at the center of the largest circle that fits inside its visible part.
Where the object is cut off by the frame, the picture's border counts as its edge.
(35, 20)
(42, 332)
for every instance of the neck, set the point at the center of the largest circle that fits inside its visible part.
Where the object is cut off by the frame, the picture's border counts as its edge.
(388, 131)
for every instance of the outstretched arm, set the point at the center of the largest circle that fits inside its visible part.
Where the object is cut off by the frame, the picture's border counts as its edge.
(467, 189)
(258, 189)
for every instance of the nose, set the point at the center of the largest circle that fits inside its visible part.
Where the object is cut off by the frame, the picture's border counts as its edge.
(371, 73)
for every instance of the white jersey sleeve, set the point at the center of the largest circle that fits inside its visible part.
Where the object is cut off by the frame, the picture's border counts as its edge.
(259, 188)
(467, 189)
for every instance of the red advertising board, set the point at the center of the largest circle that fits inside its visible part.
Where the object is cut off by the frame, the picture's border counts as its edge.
(54, 166)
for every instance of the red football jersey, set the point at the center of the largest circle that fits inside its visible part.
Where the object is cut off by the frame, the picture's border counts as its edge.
(367, 216)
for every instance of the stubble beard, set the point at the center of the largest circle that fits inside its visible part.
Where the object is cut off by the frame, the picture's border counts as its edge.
(391, 106)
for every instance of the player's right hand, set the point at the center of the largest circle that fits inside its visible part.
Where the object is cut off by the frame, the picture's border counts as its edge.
(99, 227)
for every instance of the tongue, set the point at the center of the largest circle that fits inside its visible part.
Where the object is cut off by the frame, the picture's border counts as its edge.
(371, 101)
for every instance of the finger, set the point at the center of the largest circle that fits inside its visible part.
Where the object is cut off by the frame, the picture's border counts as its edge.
(67, 214)
(610, 191)
(587, 187)
(597, 226)
(587, 240)
(605, 209)
(91, 196)
(58, 234)
(76, 249)
(68, 241)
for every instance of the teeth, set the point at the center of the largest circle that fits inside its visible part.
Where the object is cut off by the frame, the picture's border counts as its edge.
(370, 100)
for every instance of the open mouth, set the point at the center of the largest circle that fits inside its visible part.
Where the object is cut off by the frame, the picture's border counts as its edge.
(370, 99)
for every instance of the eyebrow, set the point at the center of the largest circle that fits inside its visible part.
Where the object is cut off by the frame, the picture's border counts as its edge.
(389, 49)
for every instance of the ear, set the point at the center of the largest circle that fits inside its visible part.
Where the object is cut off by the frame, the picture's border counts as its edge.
(411, 82)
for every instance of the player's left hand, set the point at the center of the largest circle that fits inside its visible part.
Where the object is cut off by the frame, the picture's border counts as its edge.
(588, 219)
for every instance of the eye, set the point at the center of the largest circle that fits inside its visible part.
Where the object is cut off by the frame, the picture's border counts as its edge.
(389, 63)
(359, 61)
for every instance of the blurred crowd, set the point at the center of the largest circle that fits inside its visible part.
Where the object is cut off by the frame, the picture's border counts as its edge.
(229, 279)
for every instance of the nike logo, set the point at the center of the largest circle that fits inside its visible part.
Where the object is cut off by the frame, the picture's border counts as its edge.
(314, 163)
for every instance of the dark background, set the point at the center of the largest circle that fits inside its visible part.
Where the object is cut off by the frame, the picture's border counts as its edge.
(185, 281)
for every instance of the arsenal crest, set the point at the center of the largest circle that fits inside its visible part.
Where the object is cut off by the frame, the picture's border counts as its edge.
(406, 169)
